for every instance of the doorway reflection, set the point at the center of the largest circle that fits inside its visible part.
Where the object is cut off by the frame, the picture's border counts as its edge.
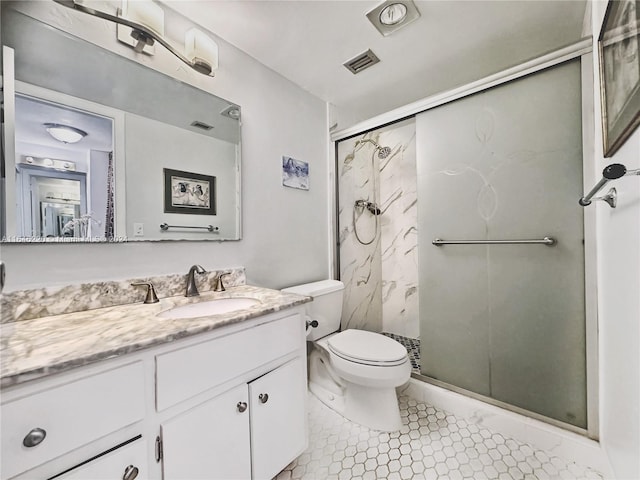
(62, 181)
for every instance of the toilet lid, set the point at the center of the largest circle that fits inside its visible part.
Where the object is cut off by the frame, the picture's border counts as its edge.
(367, 347)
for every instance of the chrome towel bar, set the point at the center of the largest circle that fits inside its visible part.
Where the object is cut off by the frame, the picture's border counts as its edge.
(549, 241)
(165, 226)
(610, 172)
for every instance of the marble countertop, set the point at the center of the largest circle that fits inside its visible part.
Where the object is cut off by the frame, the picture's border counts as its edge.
(36, 348)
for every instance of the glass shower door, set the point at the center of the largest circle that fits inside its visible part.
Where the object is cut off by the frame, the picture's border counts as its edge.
(506, 321)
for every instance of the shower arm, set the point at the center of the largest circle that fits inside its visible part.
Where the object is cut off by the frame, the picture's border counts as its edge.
(610, 172)
(363, 140)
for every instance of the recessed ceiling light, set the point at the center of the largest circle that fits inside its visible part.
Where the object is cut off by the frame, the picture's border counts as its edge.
(232, 111)
(391, 15)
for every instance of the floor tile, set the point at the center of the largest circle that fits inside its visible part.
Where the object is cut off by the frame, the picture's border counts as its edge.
(432, 444)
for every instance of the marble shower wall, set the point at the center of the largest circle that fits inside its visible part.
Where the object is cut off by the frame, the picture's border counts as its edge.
(360, 265)
(381, 278)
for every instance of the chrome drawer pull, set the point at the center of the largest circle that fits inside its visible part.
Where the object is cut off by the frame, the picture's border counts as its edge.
(130, 473)
(242, 406)
(34, 437)
(263, 397)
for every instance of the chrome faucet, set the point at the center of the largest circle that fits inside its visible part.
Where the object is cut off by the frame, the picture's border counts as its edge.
(192, 290)
(219, 287)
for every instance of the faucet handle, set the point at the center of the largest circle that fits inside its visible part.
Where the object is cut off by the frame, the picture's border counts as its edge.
(151, 296)
(219, 287)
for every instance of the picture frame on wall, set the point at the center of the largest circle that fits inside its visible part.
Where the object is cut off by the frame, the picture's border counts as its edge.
(189, 193)
(619, 54)
(295, 173)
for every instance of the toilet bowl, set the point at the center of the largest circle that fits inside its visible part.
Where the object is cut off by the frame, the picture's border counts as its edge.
(354, 372)
(359, 386)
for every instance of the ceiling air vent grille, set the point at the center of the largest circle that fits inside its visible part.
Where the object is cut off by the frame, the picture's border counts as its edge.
(202, 125)
(361, 62)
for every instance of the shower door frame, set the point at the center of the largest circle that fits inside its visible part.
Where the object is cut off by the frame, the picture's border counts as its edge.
(584, 52)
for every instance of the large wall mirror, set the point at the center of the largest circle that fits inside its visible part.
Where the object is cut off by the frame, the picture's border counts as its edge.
(99, 147)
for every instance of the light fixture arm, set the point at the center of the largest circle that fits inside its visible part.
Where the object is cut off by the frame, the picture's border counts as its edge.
(198, 65)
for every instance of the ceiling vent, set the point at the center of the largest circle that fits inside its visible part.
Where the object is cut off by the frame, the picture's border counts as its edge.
(361, 62)
(201, 125)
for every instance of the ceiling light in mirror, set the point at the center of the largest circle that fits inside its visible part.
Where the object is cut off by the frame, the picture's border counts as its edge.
(65, 133)
(232, 111)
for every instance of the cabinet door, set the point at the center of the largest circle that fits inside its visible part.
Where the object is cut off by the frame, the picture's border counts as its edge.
(210, 441)
(278, 418)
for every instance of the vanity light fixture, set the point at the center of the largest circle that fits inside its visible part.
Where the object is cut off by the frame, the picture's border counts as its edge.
(145, 19)
(65, 133)
(56, 164)
(391, 15)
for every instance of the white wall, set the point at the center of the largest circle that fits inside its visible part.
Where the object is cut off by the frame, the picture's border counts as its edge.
(618, 244)
(152, 146)
(285, 231)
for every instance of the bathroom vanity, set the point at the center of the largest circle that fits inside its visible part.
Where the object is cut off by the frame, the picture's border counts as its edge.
(119, 392)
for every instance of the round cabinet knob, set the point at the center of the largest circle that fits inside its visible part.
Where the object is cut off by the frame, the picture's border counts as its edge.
(34, 437)
(130, 473)
(242, 406)
(263, 397)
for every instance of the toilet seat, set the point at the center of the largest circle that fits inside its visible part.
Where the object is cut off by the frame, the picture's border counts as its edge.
(367, 348)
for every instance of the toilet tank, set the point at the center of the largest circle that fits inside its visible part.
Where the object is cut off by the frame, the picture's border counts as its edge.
(326, 307)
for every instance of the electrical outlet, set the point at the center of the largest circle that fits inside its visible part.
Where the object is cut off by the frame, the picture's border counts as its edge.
(138, 229)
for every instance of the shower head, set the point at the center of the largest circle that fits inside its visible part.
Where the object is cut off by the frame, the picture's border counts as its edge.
(383, 152)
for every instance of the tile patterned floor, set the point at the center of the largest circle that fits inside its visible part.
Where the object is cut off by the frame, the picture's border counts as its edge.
(413, 348)
(432, 444)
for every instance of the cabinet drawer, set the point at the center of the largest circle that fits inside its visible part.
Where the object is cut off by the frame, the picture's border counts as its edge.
(110, 465)
(113, 465)
(72, 414)
(183, 373)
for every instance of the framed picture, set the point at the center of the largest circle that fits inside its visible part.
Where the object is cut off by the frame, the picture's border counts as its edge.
(191, 193)
(620, 72)
(295, 173)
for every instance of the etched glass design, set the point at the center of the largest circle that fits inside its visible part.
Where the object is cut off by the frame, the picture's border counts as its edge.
(506, 321)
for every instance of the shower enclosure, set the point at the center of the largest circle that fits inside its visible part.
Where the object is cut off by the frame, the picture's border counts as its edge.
(503, 321)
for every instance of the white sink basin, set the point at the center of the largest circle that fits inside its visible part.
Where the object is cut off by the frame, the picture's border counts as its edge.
(211, 307)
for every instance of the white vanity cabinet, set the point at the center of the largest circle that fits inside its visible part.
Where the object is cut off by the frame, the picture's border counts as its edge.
(256, 426)
(221, 405)
(251, 431)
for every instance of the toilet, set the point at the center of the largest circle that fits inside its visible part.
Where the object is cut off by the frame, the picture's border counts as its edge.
(354, 372)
